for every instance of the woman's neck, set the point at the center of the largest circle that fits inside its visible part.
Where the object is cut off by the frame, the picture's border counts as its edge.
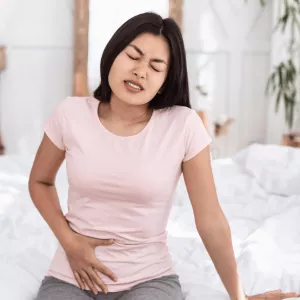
(119, 111)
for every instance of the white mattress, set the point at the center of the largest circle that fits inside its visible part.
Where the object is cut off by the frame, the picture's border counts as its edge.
(262, 211)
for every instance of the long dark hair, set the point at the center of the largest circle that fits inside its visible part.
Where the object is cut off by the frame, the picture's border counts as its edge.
(175, 90)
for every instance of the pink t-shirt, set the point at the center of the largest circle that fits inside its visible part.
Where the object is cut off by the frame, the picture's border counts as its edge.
(122, 187)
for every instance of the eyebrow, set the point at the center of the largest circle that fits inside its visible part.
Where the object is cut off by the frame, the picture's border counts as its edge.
(137, 49)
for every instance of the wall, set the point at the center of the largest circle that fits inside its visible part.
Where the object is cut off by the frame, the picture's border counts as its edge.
(230, 40)
(228, 51)
(38, 35)
(276, 121)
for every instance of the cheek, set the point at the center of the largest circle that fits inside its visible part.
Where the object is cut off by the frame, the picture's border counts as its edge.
(157, 82)
(111, 78)
(116, 72)
(113, 74)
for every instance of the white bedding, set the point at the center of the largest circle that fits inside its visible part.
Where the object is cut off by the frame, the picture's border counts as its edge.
(264, 221)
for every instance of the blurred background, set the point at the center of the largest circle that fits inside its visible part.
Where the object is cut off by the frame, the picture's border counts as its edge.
(51, 49)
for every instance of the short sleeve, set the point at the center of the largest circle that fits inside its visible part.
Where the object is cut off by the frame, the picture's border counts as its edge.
(196, 136)
(54, 127)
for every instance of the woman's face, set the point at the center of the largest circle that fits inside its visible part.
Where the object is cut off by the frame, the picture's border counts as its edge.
(139, 71)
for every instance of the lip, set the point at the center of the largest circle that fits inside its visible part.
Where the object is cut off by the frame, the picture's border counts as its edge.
(135, 83)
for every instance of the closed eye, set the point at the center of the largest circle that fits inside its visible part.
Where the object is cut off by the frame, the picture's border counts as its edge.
(155, 69)
(134, 58)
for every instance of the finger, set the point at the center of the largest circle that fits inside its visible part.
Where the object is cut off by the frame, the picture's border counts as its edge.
(104, 270)
(288, 295)
(85, 285)
(96, 278)
(100, 242)
(88, 281)
(79, 280)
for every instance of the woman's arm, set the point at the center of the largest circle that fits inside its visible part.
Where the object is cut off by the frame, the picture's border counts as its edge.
(43, 191)
(79, 249)
(211, 223)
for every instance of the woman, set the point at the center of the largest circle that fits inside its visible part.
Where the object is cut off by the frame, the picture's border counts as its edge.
(125, 149)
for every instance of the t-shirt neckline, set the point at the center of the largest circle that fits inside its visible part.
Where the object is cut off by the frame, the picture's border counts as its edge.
(106, 131)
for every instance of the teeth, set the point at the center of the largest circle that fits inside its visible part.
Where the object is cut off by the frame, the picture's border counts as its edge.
(133, 85)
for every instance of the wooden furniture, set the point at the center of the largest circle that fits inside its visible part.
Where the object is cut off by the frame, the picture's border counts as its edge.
(1, 146)
(2, 67)
(2, 58)
(291, 140)
(204, 117)
(222, 129)
(81, 36)
(175, 11)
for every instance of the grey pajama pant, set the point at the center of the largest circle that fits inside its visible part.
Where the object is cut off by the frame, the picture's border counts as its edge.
(163, 288)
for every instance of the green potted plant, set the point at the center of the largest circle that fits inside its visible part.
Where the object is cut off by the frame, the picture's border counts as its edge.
(283, 82)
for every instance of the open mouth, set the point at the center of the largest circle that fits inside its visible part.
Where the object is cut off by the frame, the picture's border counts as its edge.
(134, 85)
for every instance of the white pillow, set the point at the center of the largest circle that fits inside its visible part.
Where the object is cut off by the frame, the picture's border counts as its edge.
(276, 168)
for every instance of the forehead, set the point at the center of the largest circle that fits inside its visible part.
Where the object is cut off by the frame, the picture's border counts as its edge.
(152, 45)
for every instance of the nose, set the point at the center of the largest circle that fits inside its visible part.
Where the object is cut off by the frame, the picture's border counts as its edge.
(140, 73)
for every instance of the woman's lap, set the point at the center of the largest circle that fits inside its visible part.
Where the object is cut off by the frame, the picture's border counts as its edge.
(56, 289)
(164, 288)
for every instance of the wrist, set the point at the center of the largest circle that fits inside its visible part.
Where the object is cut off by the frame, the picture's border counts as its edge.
(244, 297)
(66, 238)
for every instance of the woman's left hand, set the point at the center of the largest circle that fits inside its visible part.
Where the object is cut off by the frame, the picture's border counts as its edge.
(273, 295)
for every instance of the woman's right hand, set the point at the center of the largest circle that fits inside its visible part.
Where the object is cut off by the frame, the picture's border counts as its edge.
(273, 295)
(84, 264)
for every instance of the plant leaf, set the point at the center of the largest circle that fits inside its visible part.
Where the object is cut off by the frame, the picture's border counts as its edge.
(262, 2)
(277, 101)
(271, 84)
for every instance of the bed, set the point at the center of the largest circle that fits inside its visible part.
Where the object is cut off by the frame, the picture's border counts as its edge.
(259, 191)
